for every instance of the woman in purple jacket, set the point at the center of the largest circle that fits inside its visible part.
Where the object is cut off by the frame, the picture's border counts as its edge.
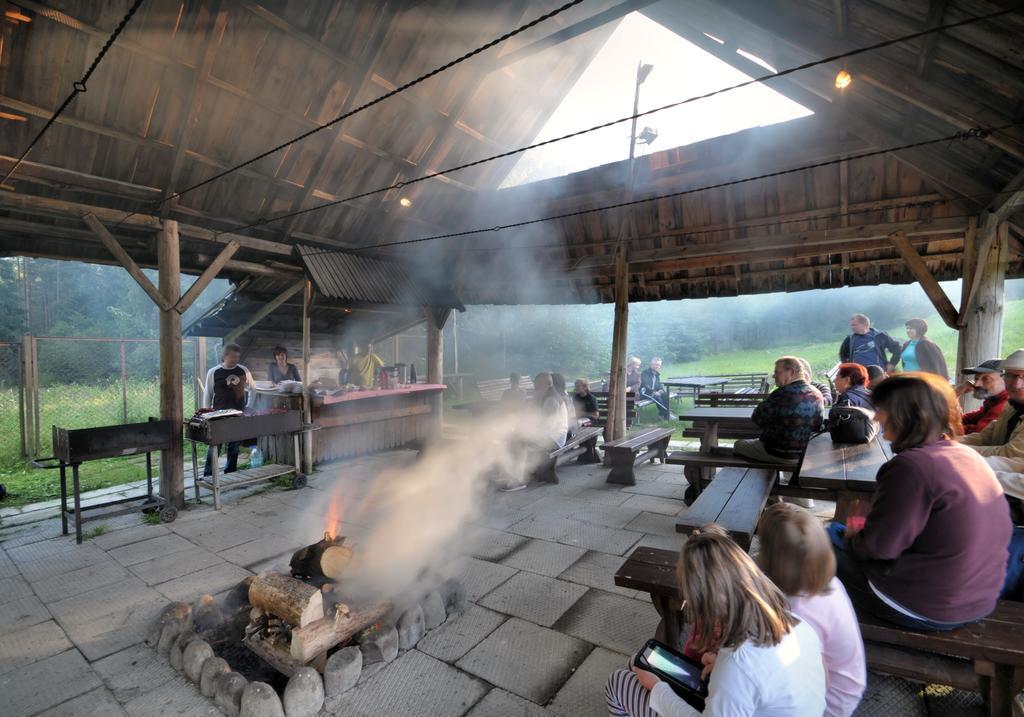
(932, 553)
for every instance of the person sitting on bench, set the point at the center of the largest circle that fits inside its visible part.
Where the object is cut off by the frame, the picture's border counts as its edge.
(513, 396)
(852, 386)
(768, 661)
(988, 387)
(558, 386)
(797, 555)
(932, 552)
(825, 391)
(651, 388)
(633, 375)
(1004, 437)
(876, 374)
(787, 418)
(584, 402)
(551, 407)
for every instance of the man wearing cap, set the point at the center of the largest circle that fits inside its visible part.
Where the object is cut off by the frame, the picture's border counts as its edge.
(989, 388)
(1004, 437)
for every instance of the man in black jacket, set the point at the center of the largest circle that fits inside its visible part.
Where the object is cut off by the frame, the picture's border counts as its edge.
(868, 346)
(651, 388)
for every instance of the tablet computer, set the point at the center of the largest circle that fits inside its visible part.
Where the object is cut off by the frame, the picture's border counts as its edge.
(680, 672)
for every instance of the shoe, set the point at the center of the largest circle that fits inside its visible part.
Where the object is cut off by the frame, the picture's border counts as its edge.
(513, 488)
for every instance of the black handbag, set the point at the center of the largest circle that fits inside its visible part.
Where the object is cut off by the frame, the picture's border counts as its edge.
(852, 424)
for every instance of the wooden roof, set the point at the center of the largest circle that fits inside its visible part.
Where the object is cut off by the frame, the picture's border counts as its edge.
(194, 87)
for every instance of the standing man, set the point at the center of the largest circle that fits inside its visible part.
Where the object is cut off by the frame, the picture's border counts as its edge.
(868, 346)
(989, 388)
(651, 388)
(363, 367)
(226, 386)
(1004, 437)
(787, 418)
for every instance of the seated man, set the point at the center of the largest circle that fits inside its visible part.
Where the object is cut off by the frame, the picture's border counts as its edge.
(584, 402)
(651, 388)
(632, 375)
(876, 374)
(513, 395)
(989, 388)
(1004, 437)
(787, 418)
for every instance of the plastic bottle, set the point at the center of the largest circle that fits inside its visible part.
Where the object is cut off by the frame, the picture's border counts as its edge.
(255, 457)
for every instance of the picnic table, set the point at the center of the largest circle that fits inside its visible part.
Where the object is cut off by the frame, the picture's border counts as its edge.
(848, 469)
(711, 417)
(695, 384)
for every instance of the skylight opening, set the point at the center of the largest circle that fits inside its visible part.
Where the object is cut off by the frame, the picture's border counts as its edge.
(754, 58)
(605, 90)
(709, 35)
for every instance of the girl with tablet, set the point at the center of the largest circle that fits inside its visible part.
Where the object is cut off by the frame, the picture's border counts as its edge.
(768, 661)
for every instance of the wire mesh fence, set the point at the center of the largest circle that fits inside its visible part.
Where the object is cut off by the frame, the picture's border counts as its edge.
(78, 382)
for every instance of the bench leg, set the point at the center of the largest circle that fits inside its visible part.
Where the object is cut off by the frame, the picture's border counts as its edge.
(545, 473)
(996, 687)
(670, 627)
(591, 455)
(662, 451)
(622, 467)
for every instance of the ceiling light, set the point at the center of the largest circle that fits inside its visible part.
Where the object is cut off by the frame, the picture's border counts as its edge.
(17, 16)
(13, 117)
(405, 202)
(843, 80)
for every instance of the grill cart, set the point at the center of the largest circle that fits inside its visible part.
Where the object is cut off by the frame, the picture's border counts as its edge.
(214, 430)
(74, 446)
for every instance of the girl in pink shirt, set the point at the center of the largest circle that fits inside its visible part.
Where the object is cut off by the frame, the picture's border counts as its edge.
(797, 555)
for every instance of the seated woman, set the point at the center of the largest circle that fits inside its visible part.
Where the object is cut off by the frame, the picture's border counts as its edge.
(281, 370)
(584, 402)
(797, 555)
(932, 553)
(768, 661)
(852, 386)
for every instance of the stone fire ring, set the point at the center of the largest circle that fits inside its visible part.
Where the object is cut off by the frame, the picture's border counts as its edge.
(177, 634)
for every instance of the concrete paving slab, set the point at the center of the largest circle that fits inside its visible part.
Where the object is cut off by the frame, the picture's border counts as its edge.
(603, 496)
(161, 546)
(175, 565)
(14, 587)
(126, 594)
(460, 634)
(480, 577)
(7, 566)
(500, 519)
(22, 613)
(220, 534)
(64, 676)
(597, 570)
(128, 536)
(545, 528)
(533, 597)
(653, 523)
(98, 702)
(35, 532)
(54, 557)
(76, 582)
(493, 545)
(652, 488)
(31, 644)
(265, 548)
(177, 697)
(664, 542)
(655, 504)
(208, 581)
(134, 671)
(543, 557)
(617, 623)
(116, 631)
(499, 703)
(583, 694)
(596, 537)
(414, 685)
(526, 659)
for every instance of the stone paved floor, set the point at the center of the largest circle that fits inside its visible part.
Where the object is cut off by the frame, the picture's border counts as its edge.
(545, 628)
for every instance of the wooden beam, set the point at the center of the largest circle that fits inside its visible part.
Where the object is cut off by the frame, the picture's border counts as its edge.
(126, 261)
(172, 461)
(925, 278)
(206, 277)
(839, 11)
(62, 178)
(936, 11)
(266, 311)
(989, 223)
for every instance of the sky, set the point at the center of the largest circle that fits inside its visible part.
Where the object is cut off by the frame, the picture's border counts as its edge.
(605, 91)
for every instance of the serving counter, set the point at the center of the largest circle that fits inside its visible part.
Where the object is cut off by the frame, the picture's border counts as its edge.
(360, 422)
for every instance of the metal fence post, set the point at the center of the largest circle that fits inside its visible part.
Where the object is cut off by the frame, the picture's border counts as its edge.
(124, 386)
(34, 367)
(22, 418)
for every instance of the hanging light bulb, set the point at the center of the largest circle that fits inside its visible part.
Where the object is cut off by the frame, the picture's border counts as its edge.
(405, 202)
(843, 80)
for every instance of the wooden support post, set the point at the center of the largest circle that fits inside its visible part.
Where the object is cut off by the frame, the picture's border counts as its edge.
(981, 334)
(307, 404)
(126, 261)
(435, 359)
(969, 264)
(208, 275)
(266, 311)
(924, 277)
(172, 461)
(620, 332)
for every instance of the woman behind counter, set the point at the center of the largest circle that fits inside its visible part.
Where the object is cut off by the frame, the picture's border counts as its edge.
(280, 370)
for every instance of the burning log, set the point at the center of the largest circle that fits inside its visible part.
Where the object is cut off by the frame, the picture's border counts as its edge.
(318, 637)
(334, 560)
(291, 600)
(308, 562)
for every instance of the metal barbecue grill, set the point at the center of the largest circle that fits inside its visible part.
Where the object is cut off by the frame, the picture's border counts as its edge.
(74, 446)
(229, 429)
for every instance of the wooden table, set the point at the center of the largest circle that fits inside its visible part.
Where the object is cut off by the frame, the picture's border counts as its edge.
(711, 417)
(849, 469)
(694, 383)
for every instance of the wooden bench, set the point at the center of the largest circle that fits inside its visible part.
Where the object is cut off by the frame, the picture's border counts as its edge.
(734, 500)
(490, 395)
(986, 657)
(630, 451)
(654, 571)
(582, 447)
(602, 408)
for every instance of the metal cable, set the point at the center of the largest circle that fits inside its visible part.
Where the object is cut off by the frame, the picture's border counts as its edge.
(78, 88)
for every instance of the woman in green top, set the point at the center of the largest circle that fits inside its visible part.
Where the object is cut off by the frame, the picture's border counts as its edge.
(921, 353)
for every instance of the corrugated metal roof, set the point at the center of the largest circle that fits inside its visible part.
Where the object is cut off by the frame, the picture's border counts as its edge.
(350, 277)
